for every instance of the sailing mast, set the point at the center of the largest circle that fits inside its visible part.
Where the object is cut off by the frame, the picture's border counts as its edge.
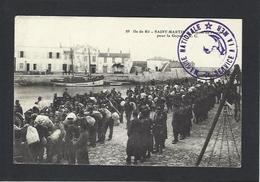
(89, 62)
(72, 62)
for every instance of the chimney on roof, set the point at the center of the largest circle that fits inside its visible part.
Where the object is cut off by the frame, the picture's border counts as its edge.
(108, 50)
(120, 51)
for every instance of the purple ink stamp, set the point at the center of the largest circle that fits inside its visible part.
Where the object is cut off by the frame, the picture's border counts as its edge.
(207, 49)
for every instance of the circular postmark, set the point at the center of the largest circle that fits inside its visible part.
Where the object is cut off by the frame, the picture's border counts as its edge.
(207, 49)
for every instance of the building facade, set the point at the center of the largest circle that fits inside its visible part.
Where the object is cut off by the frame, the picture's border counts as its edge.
(42, 59)
(79, 58)
(85, 59)
(109, 62)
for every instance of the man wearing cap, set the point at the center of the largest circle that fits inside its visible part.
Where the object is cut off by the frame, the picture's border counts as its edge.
(159, 123)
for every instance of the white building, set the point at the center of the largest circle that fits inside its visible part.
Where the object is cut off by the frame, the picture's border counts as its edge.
(114, 62)
(84, 59)
(40, 59)
(56, 59)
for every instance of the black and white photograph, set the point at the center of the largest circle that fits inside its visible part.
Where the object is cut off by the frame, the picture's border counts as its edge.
(127, 91)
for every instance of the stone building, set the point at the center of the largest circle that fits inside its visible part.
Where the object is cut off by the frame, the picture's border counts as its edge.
(112, 62)
(40, 59)
(84, 58)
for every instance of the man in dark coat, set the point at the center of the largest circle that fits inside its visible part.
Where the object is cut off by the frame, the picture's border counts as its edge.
(128, 111)
(176, 123)
(147, 137)
(159, 124)
(187, 115)
(71, 132)
(81, 145)
(134, 144)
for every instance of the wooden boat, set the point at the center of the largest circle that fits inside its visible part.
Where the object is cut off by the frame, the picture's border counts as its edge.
(79, 81)
(118, 83)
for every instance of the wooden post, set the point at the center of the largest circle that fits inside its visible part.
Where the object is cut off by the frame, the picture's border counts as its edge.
(222, 102)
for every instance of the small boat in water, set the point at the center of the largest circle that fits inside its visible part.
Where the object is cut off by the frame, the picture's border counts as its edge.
(118, 83)
(90, 81)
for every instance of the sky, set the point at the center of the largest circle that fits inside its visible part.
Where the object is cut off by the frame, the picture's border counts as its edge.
(109, 33)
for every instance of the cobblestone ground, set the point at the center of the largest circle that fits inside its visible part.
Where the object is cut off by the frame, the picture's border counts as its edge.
(183, 153)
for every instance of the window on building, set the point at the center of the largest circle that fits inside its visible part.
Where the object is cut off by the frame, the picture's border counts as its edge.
(50, 55)
(21, 54)
(113, 60)
(156, 68)
(105, 59)
(21, 66)
(58, 55)
(34, 67)
(93, 58)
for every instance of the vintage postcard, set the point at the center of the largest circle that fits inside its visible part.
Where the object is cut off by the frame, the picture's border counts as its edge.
(123, 91)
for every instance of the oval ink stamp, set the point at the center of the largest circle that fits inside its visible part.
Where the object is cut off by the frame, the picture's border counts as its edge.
(207, 49)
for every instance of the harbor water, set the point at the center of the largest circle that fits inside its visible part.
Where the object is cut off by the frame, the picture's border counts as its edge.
(28, 94)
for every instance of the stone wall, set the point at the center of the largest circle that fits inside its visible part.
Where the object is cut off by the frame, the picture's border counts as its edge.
(161, 76)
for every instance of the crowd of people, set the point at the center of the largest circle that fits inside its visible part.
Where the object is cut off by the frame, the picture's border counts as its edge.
(71, 124)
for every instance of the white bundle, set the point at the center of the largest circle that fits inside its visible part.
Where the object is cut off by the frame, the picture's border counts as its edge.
(55, 135)
(115, 116)
(108, 113)
(32, 135)
(90, 120)
(172, 93)
(143, 95)
(43, 120)
(93, 98)
(71, 116)
(122, 103)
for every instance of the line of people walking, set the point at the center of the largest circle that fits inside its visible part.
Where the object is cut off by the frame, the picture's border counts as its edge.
(71, 124)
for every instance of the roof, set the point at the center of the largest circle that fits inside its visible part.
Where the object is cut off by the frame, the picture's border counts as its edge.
(118, 55)
(158, 58)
